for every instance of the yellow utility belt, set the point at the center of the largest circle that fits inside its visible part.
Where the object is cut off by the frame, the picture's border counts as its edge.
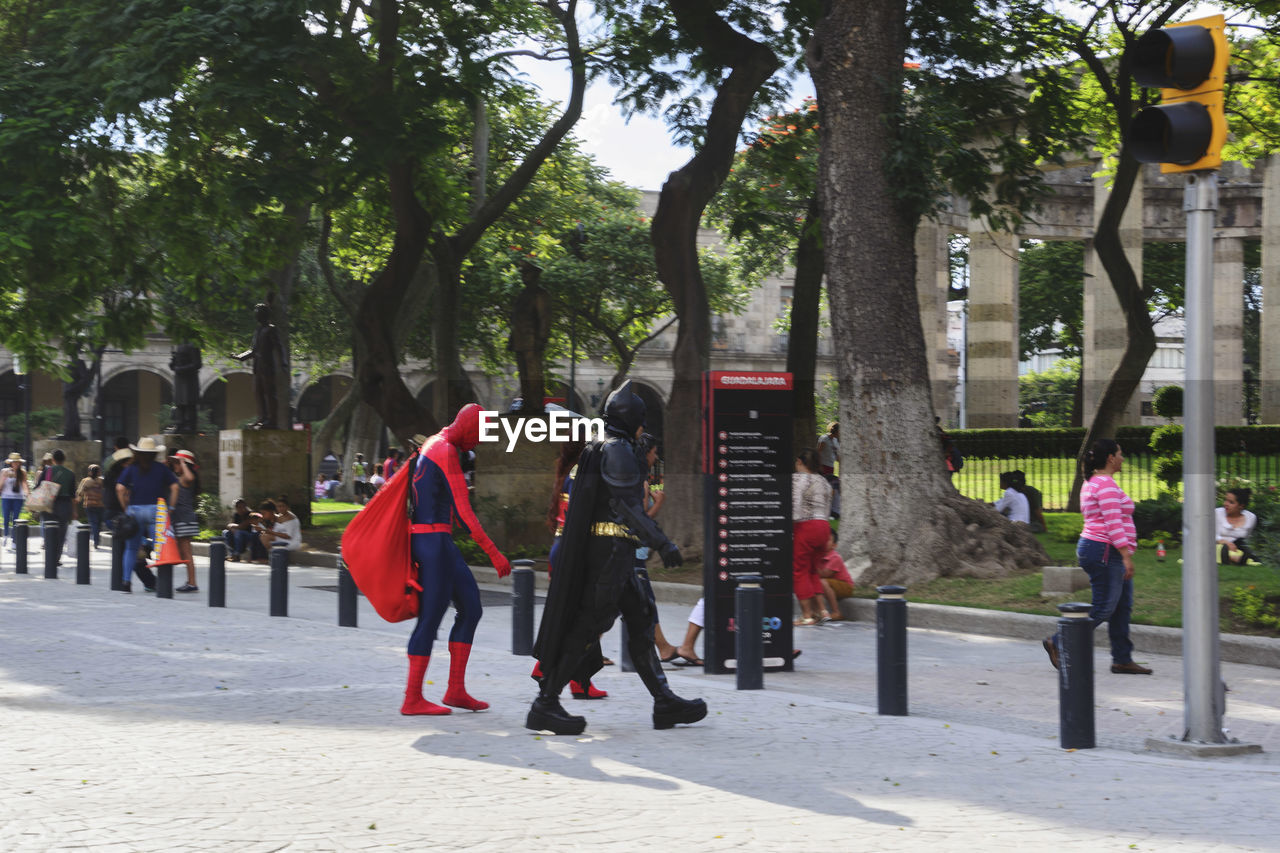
(609, 528)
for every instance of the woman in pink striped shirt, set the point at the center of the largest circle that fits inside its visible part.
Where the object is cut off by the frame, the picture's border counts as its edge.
(1105, 551)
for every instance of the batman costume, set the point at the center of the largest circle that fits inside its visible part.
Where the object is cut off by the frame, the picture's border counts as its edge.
(595, 578)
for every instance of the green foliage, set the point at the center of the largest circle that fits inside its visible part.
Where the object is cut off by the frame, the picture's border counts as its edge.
(1167, 402)
(212, 515)
(1162, 514)
(45, 423)
(1040, 443)
(1166, 439)
(1047, 399)
(1051, 299)
(1063, 526)
(1168, 470)
(1253, 608)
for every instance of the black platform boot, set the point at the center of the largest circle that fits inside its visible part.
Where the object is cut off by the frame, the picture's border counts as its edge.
(668, 708)
(547, 714)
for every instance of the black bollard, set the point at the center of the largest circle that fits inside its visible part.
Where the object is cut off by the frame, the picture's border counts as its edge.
(346, 597)
(82, 555)
(749, 631)
(117, 562)
(218, 573)
(52, 532)
(1075, 677)
(891, 651)
(279, 579)
(164, 580)
(522, 598)
(21, 532)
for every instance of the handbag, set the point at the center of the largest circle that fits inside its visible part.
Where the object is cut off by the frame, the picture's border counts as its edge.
(42, 497)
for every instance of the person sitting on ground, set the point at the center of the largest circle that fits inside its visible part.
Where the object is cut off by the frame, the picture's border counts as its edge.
(278, 524)
(1234, 525)
(331, 487)
(1035, 502)
(239, 532)
(836, 581)
(1013, 503)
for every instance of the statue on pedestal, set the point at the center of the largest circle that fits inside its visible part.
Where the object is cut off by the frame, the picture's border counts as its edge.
(268, 366)
(185, 364)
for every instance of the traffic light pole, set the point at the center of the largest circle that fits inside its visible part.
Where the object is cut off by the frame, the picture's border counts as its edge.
(1203, 692)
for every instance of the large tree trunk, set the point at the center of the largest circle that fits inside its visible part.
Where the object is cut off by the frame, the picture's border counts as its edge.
(1141, 344)
(684, 197)
(802, 342)
(892, 473)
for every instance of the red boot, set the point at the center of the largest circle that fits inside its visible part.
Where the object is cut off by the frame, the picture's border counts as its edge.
(456, 695)
(414, 704)
(592, 692)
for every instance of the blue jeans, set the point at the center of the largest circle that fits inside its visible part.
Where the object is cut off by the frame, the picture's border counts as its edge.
(94, 515)
(1112, 594)
(146, 517)
(12, 509)
(237, 541)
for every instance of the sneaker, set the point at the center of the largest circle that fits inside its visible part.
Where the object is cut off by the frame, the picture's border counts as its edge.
(188, 587)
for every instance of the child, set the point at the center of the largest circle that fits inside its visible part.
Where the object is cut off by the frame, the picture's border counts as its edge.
(836, 581)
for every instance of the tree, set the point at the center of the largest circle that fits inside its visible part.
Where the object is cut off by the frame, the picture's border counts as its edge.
(871, 141)
(1048, 399)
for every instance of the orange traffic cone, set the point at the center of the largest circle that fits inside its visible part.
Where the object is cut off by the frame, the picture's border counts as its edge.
(168, 542)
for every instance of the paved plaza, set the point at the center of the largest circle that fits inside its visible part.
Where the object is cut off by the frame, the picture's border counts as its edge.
(133, 723)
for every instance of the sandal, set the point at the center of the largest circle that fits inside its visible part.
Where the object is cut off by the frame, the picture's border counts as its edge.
(688, 661)
(805, 622)
(669, 658)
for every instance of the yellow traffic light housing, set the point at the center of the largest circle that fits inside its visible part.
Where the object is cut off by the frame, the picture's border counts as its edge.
(1188, 61)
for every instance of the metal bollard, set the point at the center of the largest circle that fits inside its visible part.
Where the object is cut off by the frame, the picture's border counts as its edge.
(1075, 677)
(891, 651)
(21, 532)
(279, 579)
(117, 562)
(82, 555)
(522, 598)
(52, 532)
(749, 631)
(346, 597)
(217, 574)
(164, 580)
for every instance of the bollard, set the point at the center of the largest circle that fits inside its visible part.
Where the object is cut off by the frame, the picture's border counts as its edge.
(52, 532)
(749, 631)
(21, 532)
(218, 574)
(346, 597)
(117, 561)
(522, 598)
(164, 580)
(891, 651)
(279, 579)
(1075, 677)
(82, 555)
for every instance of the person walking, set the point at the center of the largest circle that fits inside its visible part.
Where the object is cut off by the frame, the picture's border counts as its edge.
(1105, 551)
(90, 495)
(183, 518)
(13, 492)
(810, 505)
(139, 489)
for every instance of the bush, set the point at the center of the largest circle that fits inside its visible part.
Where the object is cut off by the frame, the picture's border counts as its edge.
(1162, 514)
(1168, 470)
(1167, 401)
(1167, 439)
(1063, 526)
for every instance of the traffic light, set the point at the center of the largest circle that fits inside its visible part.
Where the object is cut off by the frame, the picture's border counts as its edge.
(1188, 61)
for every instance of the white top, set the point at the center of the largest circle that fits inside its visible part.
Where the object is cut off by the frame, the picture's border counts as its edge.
(828, 450)
(810, 497)
(1227, 530)
(1014, 506)
(293, 527)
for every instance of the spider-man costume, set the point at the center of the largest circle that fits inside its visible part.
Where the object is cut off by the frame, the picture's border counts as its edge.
(439, 495)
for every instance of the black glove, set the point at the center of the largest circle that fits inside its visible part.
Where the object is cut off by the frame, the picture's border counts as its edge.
(671, 556)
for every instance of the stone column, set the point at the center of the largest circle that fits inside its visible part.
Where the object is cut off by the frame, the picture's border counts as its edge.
(1228, 331)
(991, 366)
(933, 278)
(1104, 327)
(1269, 354)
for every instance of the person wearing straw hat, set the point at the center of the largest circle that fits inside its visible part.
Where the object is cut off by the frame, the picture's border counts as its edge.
(13, 492)
(139, 489)
(186, 524)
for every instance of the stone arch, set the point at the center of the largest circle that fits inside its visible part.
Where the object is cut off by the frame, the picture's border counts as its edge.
(320, 396)
(228, 399)
(134, 401)
(654, 407)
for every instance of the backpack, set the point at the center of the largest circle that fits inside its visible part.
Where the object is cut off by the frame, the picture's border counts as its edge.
(375, 549)
(955, 461)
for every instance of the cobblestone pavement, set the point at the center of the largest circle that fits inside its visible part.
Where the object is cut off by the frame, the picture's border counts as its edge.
(131, 723)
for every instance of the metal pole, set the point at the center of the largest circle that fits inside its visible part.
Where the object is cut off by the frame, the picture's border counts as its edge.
(82, 555)
(522, 596)
(891, 651)
(1075, 677)
(346, 597)
(52, 533)
(1200, 662)
(749, 632)
(217, 574)
(279, 579)
(21, 533)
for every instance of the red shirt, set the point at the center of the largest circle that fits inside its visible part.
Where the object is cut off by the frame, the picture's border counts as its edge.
(830, 565)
